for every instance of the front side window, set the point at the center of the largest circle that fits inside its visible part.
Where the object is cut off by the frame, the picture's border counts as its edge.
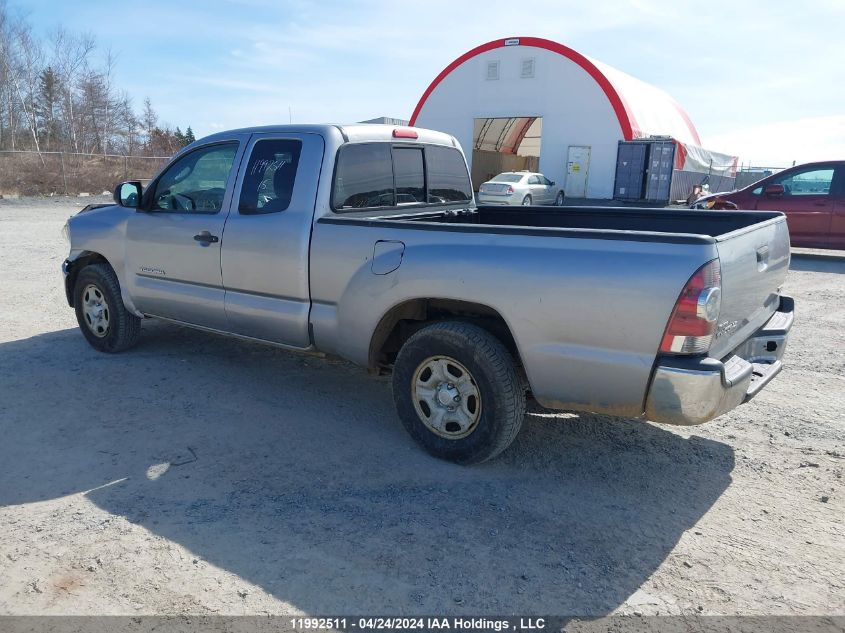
(196, 182)
(364, 177)
(815, 182)
(448, 180)
(270, 176)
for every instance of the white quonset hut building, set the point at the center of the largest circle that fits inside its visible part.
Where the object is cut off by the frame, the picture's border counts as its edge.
(531, 103)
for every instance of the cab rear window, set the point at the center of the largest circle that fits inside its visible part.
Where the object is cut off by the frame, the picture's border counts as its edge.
(409, 174)
(364, 177)
(378, 175)
(448, 180)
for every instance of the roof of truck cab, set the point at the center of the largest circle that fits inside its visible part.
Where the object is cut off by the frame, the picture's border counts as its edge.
(358, 132)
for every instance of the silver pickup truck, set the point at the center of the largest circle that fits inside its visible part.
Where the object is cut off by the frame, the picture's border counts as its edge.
(364, 242)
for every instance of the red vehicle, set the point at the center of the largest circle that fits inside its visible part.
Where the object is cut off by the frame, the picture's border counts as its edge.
(812, 196)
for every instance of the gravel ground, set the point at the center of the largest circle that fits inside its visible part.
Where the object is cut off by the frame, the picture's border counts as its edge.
(198, 474)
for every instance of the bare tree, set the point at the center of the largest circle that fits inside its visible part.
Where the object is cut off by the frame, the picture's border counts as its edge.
(109, 107)
(149, 119)
(20, 55)
(70, 58)
(69, 101)
(5, 108)
(127, 123)
(8, 122)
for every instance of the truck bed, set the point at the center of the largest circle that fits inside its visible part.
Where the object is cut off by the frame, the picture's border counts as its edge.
(752, 248)
(710, 224)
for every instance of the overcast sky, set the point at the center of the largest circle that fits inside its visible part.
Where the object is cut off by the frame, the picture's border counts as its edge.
(764, 80)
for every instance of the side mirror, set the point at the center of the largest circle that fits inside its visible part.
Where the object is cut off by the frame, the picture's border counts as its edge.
(128, 194)
(551, 183)
(773, 190)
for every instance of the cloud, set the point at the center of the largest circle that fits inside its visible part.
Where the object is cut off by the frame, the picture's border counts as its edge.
(779, 144)
(764, 83)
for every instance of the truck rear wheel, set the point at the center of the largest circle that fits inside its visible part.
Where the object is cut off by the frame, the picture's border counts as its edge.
(457, 392)
(105, 322)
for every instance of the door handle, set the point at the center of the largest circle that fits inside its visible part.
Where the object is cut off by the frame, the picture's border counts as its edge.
(205, 238)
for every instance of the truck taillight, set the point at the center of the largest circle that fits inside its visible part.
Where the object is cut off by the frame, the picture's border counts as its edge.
(693, 321)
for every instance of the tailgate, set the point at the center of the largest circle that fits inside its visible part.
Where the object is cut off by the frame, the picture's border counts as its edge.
(754, 262)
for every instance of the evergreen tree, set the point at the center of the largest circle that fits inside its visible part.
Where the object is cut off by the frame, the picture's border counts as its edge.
(47, 104)
(189, 136)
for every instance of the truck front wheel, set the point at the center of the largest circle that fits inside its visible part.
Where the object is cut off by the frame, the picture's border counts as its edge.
(457, 392)
(105, 322)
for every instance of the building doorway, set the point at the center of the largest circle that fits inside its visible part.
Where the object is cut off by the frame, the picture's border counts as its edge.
(505, 144)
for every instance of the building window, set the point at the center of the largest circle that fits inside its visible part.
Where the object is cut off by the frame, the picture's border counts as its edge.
(492, 70)
(528, 68)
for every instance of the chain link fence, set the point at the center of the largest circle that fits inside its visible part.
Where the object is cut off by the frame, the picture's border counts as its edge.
(749, 174)
(26, 173)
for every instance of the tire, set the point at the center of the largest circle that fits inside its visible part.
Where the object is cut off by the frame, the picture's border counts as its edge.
(103, 319)
(488, 426)
(559, 199)
(526, 201)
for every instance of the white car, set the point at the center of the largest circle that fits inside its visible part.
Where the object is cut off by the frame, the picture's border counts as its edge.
(520, 187)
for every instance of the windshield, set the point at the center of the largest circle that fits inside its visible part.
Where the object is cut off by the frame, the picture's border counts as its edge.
(508, 178)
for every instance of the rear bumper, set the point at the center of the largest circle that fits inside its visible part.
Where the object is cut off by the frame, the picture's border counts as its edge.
(694, 390)
(491, 200)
